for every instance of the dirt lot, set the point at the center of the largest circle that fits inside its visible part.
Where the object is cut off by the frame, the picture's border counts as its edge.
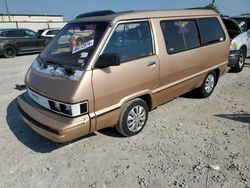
(187, 142)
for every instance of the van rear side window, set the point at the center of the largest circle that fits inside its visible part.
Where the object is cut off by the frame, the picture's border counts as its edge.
(210, 30)
(180, 35)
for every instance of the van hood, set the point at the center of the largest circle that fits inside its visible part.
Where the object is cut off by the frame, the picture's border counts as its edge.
(55, 87)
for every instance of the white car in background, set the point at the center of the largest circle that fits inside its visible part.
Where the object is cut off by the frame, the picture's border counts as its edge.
(48, 33)
(240, 45)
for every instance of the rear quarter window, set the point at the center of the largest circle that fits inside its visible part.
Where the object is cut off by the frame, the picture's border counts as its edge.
(210, 31)
(49, 32)
(52, 32)
(180, 35)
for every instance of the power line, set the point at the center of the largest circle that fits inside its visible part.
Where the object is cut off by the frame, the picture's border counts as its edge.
(7, 9)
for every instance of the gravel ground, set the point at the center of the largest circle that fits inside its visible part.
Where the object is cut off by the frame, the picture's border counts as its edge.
(187, 142)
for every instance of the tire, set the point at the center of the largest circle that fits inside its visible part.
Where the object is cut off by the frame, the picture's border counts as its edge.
(208, 85)
(133, 118)
(240, 62)
(9, 51)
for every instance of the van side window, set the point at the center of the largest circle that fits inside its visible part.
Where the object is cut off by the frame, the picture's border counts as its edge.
(131, 41)
(180, 35)
(210, 30)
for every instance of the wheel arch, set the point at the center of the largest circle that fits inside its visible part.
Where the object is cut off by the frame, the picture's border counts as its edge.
(217, 72)
(145, 95)
(148, 100)
(12, 45)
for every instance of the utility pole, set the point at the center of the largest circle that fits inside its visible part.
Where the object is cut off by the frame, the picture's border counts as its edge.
(7, 9)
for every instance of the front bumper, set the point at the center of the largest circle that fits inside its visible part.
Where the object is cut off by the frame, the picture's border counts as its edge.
(50, 125)
(233, 58)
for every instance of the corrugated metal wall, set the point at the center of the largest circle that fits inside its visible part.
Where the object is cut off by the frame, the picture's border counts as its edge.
(32, 25)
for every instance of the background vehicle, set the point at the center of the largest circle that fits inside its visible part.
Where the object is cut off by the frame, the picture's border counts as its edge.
(48, 33)
(236, 57)
(241, 43)
(20, 41)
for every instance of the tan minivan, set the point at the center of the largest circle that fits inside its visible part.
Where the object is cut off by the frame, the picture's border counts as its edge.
(107, 69)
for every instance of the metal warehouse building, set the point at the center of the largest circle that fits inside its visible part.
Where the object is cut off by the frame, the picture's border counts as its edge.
(30, 18)
(31, 21)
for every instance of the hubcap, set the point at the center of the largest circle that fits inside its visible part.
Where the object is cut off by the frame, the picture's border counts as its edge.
(136, 118)
(209, 85)
(241, 61)
(10, 51)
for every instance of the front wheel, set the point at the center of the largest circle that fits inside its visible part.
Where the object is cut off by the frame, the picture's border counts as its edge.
(240, 62)
(208, 85)
(133, 118)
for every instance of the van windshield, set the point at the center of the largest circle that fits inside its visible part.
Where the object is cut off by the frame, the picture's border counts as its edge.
(74, 44)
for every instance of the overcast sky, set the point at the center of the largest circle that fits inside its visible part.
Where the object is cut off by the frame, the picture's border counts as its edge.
(71, 8)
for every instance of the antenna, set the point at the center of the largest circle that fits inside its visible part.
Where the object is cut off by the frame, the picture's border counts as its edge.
(7, 9)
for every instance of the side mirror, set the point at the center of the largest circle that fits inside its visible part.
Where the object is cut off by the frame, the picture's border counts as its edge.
(108, 60)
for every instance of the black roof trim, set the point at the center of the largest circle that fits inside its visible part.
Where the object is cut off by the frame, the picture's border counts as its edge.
(96, 13)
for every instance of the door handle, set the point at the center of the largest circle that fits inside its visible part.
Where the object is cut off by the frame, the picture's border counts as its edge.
(151, 64)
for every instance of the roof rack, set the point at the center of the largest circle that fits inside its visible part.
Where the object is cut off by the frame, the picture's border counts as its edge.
(96, 13)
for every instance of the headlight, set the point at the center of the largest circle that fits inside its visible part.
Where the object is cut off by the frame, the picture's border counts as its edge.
(72, 110)
(233, 46)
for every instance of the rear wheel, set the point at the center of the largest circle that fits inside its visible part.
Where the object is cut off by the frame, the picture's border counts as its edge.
(133, 118)
(240, 62)
(9, 51)
(208, 85)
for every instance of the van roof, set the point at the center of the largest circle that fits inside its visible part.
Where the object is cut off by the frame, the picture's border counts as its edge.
(141, 14)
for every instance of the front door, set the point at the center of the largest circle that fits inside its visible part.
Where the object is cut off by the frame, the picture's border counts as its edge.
(137, 73)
